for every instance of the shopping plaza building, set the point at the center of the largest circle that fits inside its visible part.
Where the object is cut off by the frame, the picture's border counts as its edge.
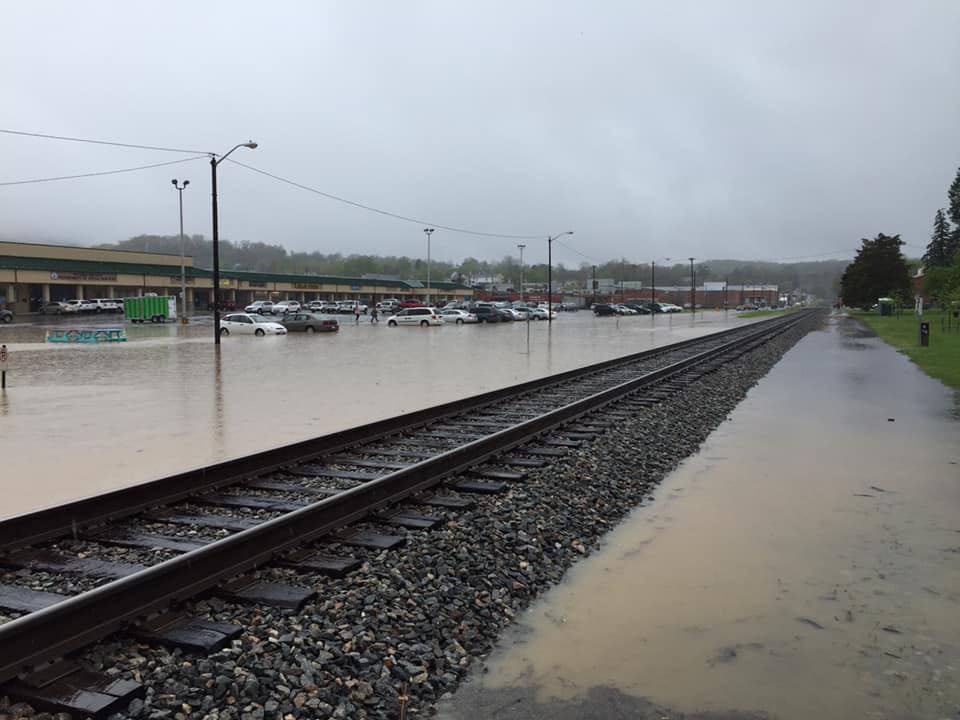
(32, 275)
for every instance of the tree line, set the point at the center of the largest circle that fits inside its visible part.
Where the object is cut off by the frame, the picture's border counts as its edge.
(820, 278)
(881, 270)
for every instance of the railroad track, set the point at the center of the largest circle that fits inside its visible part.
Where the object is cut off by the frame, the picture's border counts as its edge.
(205, 530)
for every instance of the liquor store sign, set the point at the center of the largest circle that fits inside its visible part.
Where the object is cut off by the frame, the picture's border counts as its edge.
(88, 276)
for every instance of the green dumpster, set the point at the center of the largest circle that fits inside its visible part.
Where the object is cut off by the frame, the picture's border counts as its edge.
(885, 306)
(150, 308)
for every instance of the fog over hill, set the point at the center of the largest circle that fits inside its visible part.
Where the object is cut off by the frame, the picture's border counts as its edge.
(818, 277)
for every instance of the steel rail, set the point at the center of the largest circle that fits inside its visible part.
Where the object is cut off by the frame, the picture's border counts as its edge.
(85, 618)
(63, 520)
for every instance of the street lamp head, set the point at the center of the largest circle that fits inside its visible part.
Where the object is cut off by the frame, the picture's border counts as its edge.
(252, 145)
(174, 181)
(186, 182)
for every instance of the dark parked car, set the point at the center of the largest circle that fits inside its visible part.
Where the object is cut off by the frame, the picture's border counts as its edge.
(654, 307)
(604, 309)
(309, 323)
(486, 313)
(6, 316)
(641, 309)
(225, 306)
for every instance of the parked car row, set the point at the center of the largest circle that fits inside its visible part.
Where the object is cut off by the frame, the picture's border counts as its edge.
(284, 307)
(64, 307)
(256, 324)
(601, 309)
(6, 316)
(463, 313)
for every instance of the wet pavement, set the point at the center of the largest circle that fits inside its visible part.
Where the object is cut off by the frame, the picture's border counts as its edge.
(77, 419)
(805, 564)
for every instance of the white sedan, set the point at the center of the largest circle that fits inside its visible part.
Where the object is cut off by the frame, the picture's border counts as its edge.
(457, 316)
(250, 324)
(518, 313)
(541, 313)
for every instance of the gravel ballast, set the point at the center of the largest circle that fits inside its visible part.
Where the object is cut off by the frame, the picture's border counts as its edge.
(416, 617)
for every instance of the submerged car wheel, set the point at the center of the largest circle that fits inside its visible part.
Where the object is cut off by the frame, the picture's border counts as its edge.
(392, 323)
(259, 331)
(459, 321)
(309, 329)
(424, 323)
(224, 332)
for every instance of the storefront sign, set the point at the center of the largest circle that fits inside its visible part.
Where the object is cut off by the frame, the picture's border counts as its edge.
(256, 284)
(102, 277)
(306, 286)
(174, 280)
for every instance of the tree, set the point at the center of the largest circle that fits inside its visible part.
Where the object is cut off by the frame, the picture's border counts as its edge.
(953, 198)
(878, 270)
(938, 251)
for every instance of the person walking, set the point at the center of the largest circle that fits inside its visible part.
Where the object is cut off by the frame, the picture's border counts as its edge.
(356, 313)
(374, 315)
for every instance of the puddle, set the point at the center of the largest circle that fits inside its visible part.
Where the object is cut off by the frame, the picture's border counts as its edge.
(79, 419)
(806, 564)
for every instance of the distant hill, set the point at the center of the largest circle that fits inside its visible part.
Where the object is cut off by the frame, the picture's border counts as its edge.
(821, 278)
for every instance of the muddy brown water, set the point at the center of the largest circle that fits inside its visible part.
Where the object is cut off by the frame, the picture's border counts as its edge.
(80, 419)
(804, 564)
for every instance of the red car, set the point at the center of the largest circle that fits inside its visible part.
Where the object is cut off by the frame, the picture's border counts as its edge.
(410, 304)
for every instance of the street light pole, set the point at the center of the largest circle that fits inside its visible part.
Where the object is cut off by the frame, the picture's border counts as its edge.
(521, 246)
(594, 284)
(214, 161)
(693, 291)
(183, 273)
(429, 232)
(550, 272)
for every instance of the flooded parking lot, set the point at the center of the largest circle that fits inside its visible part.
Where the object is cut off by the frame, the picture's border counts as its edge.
(77, 419)
(805, 564)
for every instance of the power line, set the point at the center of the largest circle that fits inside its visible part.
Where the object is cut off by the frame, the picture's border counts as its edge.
(583, 255)
(387, 213)
(103, 172)
(101, 142)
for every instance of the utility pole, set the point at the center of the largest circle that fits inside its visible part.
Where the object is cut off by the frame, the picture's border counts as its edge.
(183, 275)
(429, 232)
(521, 246)
(594, 284)
(693, 290)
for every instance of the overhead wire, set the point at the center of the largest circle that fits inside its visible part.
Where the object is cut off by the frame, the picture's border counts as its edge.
(379, 211)
(101, 142)
(102, 172)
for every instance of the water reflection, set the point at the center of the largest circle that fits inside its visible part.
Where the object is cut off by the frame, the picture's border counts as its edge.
(79, 419)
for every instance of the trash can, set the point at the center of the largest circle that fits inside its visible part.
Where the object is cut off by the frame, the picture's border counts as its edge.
(924, 334)
(885, 306)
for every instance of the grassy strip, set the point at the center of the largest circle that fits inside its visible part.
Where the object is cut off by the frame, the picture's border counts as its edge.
(760, 313)
(940, 360)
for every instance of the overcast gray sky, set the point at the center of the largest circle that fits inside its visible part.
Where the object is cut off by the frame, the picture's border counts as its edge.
(718, 129)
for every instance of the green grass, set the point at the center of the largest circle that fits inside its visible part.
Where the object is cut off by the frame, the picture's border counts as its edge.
(760, 313)
(940, 360)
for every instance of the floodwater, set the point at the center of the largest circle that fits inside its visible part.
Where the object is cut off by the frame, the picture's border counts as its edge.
(805, 564)
(79, 419)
